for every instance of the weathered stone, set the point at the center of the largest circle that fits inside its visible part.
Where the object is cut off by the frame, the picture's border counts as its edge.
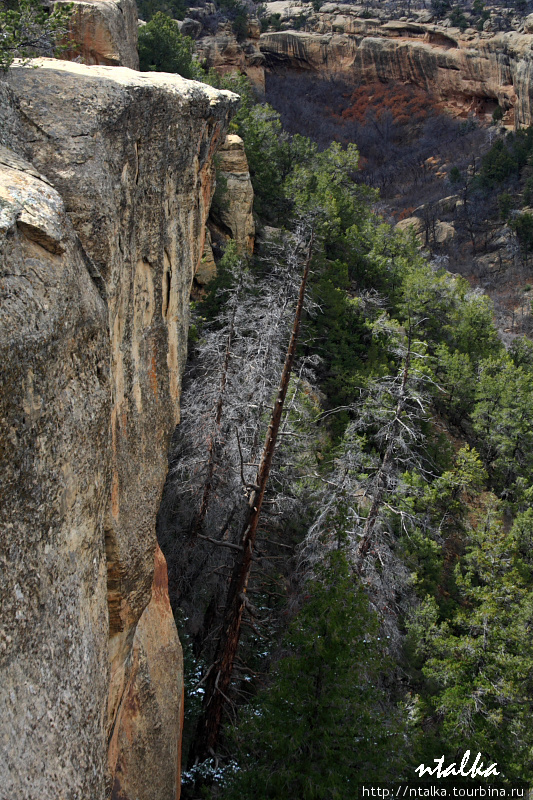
(131, 155)
(207, 268)
(254, 29)
(463, 71)
(55, 403)
(444, 232)
(225, 54)
(236, 214)
(150, 717)
(103, 32)
(190, 27)
(411, 223)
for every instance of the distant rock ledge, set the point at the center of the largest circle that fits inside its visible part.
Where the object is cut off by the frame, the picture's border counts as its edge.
(469, 72)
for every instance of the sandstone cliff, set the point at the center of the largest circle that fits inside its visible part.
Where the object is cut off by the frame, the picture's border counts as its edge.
(225, 54)
(98, 257)
(465, 70)
(103, 32)
(470, 71)
(234, 219)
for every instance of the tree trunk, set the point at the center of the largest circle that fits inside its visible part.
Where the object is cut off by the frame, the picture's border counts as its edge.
(219, 679)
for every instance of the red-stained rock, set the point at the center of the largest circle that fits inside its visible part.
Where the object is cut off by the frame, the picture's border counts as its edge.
(103, 32)
(97, 260)
(464, 71)
(150, 715)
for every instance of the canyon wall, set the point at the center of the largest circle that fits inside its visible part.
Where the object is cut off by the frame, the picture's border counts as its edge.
(469, 71)
(106, 181)
(225, 54)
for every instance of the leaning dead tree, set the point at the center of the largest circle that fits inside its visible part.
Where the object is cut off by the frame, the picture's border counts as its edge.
(220, 673)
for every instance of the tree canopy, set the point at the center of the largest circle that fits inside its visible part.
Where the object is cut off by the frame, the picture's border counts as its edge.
(28, 28)
(162, 48)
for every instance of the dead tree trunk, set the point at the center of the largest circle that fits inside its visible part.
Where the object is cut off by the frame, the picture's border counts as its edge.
(200, 516)
(382, 476)
(219, 679)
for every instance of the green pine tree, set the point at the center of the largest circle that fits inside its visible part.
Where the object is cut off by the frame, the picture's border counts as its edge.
(327, 722)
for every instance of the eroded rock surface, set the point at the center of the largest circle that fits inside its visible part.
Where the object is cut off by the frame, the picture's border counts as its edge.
(469, 71)
(91, 403)
(104, 32)
(151, 712)
(234, 219)
(55, 403)
(464, 70)
(225, 54)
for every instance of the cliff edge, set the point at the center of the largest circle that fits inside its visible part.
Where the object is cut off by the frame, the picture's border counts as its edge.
(106, 177)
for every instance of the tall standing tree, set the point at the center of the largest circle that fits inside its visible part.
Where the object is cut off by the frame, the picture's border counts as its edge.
(222, 668)
(326, 722)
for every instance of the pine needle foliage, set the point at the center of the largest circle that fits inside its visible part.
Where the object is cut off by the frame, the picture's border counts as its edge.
(29, 29)
(326, 723)
(162, 48)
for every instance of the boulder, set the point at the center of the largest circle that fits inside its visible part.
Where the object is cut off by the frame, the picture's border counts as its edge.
(190, 27)
(444, 232)
(411, 223)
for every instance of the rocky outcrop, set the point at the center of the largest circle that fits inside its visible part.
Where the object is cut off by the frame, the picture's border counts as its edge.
(234, 217)
(95, 322)
(207, 269)
(103, 32)
(470, 71)
(151, 713)
(224, 53)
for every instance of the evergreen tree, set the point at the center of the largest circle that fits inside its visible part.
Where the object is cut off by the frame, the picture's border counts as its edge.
(173, 8)
(327, 722)
(162, 48)
(28, 29)
(479, 663)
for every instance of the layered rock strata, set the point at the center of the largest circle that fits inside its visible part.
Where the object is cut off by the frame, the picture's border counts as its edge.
(465, 70)
(224, 53)
(94, 337)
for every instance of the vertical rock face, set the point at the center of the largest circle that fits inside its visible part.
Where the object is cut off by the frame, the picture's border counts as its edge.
(153, 703)
(235, 215)
(463, 70)
(225, 54)
(54, 434)
(131, 156)
(103, 32)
